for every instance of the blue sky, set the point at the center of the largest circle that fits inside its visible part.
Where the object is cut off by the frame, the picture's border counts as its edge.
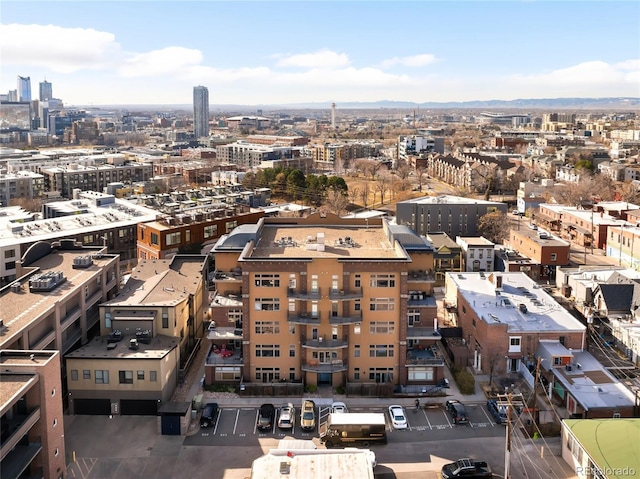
(264, 52)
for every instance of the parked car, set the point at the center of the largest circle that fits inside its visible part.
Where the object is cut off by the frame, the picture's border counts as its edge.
(209, 413)
(338, 407)
(398, 419)
(265, 417)
(308, 415)
(499, 412)
(457, 411)
(466, 468)
(286, 416)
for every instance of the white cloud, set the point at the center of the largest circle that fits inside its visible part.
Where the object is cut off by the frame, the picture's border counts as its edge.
(64, 50)
(594, 73)
(166, 61)
(412, 61)
(320, 59)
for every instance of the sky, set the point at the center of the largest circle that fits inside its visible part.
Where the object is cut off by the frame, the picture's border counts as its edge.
(121, 52)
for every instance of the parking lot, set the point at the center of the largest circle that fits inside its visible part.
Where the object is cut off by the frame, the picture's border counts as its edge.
(237, 425)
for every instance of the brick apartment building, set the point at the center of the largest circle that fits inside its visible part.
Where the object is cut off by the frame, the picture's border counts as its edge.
(324, 300)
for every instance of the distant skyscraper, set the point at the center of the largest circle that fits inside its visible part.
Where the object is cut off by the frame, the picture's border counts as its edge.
(24, 88)
(200, 111)
(46, 91)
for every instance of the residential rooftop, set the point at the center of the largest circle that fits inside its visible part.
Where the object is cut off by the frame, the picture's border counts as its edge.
(100, 348)
(448, 199)
(19, 307)
(502, 305)
(324, 241)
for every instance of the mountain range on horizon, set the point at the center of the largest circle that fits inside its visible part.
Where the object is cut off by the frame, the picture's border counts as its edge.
(609, 103)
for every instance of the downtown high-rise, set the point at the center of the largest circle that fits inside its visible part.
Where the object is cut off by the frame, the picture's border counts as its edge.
(46, 91)
(200, 111)
(24, 88)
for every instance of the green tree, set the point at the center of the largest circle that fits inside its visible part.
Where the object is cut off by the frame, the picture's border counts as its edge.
(296, 184)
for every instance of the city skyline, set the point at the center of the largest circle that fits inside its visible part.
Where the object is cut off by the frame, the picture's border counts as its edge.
(268, 53)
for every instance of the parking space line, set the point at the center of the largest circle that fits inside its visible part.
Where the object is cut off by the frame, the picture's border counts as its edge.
(235, 424)
(215, 427)
(255, 422)
(446, 416)
(487, 416)
(424, 411)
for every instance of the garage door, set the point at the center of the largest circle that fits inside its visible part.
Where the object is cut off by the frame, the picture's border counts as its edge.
(171, 425)
(96, 407)
(138, 407)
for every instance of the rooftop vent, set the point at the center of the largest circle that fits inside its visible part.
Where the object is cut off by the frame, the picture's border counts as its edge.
(46, 281)
(82, 262)
(16, 287)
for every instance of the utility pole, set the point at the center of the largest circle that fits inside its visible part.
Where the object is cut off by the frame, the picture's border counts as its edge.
(507, 449)
(535, 391)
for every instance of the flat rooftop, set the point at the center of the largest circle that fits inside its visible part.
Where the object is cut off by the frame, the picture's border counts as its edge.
(448, 199)
(339, 242)
(20, 308)
(159, 347)
(534, 234)
(12, 385)
(543, 313)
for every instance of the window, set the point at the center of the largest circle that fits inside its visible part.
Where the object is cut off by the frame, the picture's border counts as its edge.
(554, 256)
(381, 351)
(356, 351)
(126, 377)
(74, 374)
(10, 265)
(356, 305)
(382, 327)
(267, 375)
(210, 231)
(267, 327)
(230, 225)
(86, 374)
(382, 304)
(165, 317)
(420, 374)
(514, 344)
(10, 253)
(267, 304)
(155, 238)
(381, 375)
(268, 280)
(187, 236)
(414, 316)
(292, 350)
(557, 361)
(102, 376)
(357, 281)
(153, 376)
(140, 375)
(173, 238)
(382, 281)
(267, 351)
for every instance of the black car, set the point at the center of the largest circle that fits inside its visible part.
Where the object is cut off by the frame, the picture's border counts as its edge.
(498, 411)
(266, 416)
(457, 411)
(208, 417)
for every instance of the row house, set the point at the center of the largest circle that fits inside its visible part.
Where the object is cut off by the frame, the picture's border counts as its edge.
(324, 300)
(544, 251)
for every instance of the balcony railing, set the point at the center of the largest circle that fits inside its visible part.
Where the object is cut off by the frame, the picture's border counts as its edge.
(344, 295)
(16, 429)
(421, 276)
(303, 295)
(322, 343)
(303, 318)
(341, 319)
(334, 366)
(18, 459)
(227, 276)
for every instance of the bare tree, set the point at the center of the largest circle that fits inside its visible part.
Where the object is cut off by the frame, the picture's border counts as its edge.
(382, 185)
(29, 204)
(494, 226)
(364, 195)
(629, 192)
(354, 194)
(337, 201)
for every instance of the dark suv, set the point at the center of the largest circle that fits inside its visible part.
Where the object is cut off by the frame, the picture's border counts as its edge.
(265, 417)
(208, 417)
(457, 411)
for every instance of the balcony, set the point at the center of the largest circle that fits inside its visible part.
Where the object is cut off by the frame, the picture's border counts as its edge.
(72, 314)
(428, 356)
(303, 295)
(421, 276)
(20, 457)
(16, 428)
(224, 357)
(414, 332)
(342, 295)
(341, 319)
(335, 366)
(303, 318)
(420, 298)
(227, 276)
(322, 343)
